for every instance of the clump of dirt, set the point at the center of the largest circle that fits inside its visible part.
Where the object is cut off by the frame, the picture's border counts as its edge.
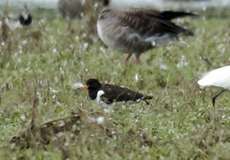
(73, 125)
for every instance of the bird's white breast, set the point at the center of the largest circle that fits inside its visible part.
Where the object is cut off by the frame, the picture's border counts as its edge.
(99, 94)
(110, 31)
(100, 31)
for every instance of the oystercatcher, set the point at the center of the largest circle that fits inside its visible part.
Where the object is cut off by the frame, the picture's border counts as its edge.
(108, 93)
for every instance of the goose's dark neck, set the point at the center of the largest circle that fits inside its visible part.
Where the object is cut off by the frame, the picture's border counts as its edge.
(106, 3)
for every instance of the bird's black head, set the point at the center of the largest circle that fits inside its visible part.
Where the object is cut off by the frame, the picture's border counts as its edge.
(93, 83)
(25, 19)
(106, 2)
(93, 86)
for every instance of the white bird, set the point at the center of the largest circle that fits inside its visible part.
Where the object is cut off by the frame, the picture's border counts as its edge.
(218, 78)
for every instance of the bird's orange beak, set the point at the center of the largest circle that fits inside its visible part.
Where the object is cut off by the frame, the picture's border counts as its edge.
(79, 85)
(84, 87)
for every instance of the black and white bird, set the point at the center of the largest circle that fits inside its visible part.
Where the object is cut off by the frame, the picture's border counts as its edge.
(108, 93)
(135, 31)
(25, 18)
(22, 20)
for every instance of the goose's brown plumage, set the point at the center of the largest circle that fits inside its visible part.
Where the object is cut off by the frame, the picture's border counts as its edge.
(149, 22)
(136, 31)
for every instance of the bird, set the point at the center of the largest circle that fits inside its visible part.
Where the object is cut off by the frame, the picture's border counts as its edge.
(22, 20)
(108, 93)
(135, 31)
(10, 23)
(25, 18)
(76, 9)
(219, 77)
(71, 9)
(85, 11)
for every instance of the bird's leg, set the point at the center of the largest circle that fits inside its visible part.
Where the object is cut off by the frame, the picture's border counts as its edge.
(137, 59)
(215, 97)
(127, 58)
(214, 108)
(69, 26)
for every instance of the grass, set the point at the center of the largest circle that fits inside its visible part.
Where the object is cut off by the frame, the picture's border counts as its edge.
(176, 125)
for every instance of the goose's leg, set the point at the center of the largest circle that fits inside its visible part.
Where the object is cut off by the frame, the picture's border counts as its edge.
(69, 25)
(128, 57)
(137, 59)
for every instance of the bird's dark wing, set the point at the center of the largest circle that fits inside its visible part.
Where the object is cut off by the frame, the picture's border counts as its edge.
(169, 15)
(106, 100)
(149, 22)
(117, 93)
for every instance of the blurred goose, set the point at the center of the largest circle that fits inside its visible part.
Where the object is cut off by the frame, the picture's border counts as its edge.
(71, 9)
(86, 10)
(136, 31)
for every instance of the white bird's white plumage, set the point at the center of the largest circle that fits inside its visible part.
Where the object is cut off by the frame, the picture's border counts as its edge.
(219, 78)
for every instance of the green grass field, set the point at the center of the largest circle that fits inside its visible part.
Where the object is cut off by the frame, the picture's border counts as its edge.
(179, 123)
